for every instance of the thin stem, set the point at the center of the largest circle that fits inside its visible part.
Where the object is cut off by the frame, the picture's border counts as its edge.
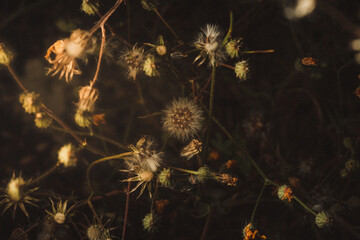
(206, 226)
(103, 38)
(304, 206)
(101, 160)
(105, 17)
(258, 51)
(154, 197)
(227, 66)
(44, 175)
(230, 29)
(212, 93)
(257, 202)
(94, 212)
(167, 25)
(185, 170)
(126, 210)
(16, 78)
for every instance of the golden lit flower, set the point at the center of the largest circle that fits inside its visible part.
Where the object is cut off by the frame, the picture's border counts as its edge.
(285, 192)
(227, 179)
(66, 155)
(250, 233)
(17, 194)
(210, 46)
(182, 118)
(150, 67)
(59, 213)
(66, 52)
(242, 70)
(190, 150)
(5, 55)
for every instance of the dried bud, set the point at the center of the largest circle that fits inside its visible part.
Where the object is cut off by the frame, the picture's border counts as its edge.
(193, 148)
(87, 98)
(5, 55)
(160, 204)
(161, 50)
(66, 155)
(164, 177)
(242, 70)
(42, 120)
(230, 164)
(228, 179)
(30, 101)
(232, 47)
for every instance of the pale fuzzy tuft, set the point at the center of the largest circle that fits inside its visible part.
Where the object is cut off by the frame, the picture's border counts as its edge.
(76, 44)
(14, 188)
(87, 98)
(133, 60)
(242, 70)
(144, 156)
(182, 118)
(59, 218)
(94, 232)
(210, 45)
(66, 155)
(30, 102)
(150, 67)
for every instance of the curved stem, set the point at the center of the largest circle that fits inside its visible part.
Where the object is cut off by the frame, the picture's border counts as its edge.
(16, 78)
(230, 29)
(101, 160)
(44, 175)
(103, 38)
(167, 25)
(257, 202)
(126, 210)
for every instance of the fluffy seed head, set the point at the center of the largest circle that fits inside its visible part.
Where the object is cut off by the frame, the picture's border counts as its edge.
(14, 188)
(242, 70)
(182, 118)
(30, 102)
(66, 155)
(144, 155)
(210, 46)
(133, 60)
(76, 44)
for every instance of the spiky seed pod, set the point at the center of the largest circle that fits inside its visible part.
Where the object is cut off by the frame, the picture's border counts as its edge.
(182, 118)
(42, 120)
(66, 155)
(242, 70)
(5, 55)
(164, 177)
(149, 222)
(190, 150)
(30, 102)
(94, 232)
(90, 7)
(323, 220)
(210, 46)
(133, 60)
(233, 46)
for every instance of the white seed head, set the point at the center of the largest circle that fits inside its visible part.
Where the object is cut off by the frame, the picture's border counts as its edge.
(66, 155)
(14, 188)
(133, 60)
(182, 118)
(76, 44)
(242, 70)
(209, 44)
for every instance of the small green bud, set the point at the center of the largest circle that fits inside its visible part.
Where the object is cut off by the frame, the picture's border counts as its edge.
(5, 55)
(347, 143)
(149, 222)
(90, 7)
(30, 101)
(149, 66)
(205, 174)
(322, 220)
(164, 177)
(232, 47)
(83, 119)
(42, 120)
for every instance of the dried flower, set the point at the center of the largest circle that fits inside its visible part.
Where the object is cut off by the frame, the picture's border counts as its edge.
(285, 192)
(143, 177)
(150, 67)
(213, 155)
(149, 222)
(30, 102)
(227, 179)
(164, 177)
(232, 47)
(90, 7)
(209, 44)
(66, 52)
(133, 60)
(183, 118)
(66, 155)
(16, 194)
(242, 70)
(99, 119)
(87, 98)
(5, 55)
(144, 155)
(42, 120)
(250, 233)
(59, 213)
(94, 232)
(190, 150)
(230, 164)
(323, 219)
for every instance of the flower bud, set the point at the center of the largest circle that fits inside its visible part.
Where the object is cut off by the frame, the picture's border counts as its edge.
(241, 70)
(42, 120)
(66, 155)
(5, 55)
(164, 177)
(30, 102)
(322, 220)
(90, 7)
